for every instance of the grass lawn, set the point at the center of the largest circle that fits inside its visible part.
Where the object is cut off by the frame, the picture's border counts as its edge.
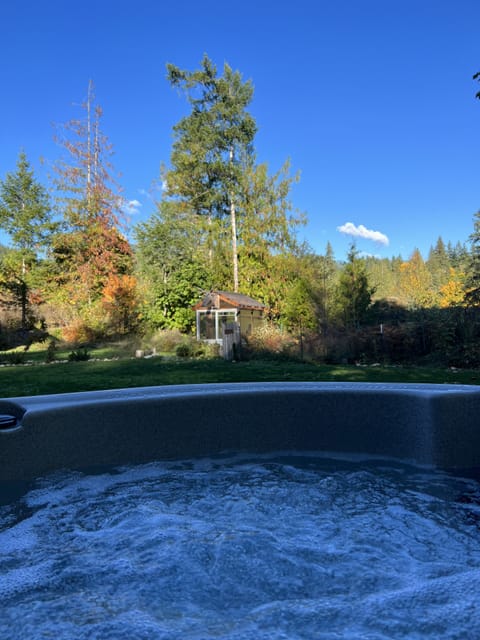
(39, 378)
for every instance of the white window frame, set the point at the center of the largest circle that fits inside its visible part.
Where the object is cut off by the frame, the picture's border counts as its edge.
(218, 313)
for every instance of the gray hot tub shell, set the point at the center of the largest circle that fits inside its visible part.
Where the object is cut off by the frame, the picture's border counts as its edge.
(433, 424)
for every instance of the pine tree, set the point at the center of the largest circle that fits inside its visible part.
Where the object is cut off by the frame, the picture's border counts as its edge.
(246, 225)
(266, 228)
(458, 256)
(211, 147)
(472, 297)
(327, 271)
(438, 264)
(354, 290)
(25, 215)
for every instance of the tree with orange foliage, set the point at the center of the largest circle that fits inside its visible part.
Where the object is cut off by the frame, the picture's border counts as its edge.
(119, 300)
(91, 247)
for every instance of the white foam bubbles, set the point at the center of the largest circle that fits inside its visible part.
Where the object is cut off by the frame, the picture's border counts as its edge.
(235, 547)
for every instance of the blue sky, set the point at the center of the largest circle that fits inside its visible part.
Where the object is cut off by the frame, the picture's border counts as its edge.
(373, 101)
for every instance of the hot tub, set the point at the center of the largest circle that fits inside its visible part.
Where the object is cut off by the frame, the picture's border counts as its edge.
(241, 512)
(430, 424)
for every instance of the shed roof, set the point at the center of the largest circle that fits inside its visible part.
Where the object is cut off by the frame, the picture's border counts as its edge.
(211, 300)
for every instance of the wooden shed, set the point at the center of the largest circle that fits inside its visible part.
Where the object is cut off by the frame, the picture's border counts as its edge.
(218, 308)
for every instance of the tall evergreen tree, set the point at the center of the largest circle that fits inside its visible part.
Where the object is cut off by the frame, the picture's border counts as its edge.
(25, 215)
(472, 296)
(266, 226)
(300, 312)
(326, 274)
(458, 255)
(25, 212)
(245, 214)
(212, 145)
(438, 264)
(354, 290)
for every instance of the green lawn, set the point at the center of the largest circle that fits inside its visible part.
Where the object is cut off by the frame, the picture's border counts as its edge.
(38, 378)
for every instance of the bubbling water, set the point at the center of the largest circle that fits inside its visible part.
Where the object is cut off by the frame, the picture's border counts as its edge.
(280, 546)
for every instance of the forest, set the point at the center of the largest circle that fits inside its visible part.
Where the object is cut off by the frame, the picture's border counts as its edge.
(71, 271)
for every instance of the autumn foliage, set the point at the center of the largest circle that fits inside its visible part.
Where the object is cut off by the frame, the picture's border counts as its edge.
(223, 221)
(119, 301)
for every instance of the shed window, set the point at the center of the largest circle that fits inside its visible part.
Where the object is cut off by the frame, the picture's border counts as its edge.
(211, 323)
(207, 326)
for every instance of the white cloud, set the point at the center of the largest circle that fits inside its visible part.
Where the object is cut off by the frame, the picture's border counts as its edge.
(362, 232)
(132, 207)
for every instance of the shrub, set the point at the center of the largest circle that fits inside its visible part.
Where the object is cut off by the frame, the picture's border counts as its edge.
(184, 350)
(208, 350)
(80, 355)
(337, 349)
(77, 332)
(270, 341)
(165, 340)
(192, 348)
(51, 350)
(13, 357)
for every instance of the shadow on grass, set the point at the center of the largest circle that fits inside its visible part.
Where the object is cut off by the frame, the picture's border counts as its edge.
(94, 375)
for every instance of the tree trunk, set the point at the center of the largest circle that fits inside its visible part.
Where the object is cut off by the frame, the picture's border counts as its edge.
(23, 294)
(233, 220)
(89, 143)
